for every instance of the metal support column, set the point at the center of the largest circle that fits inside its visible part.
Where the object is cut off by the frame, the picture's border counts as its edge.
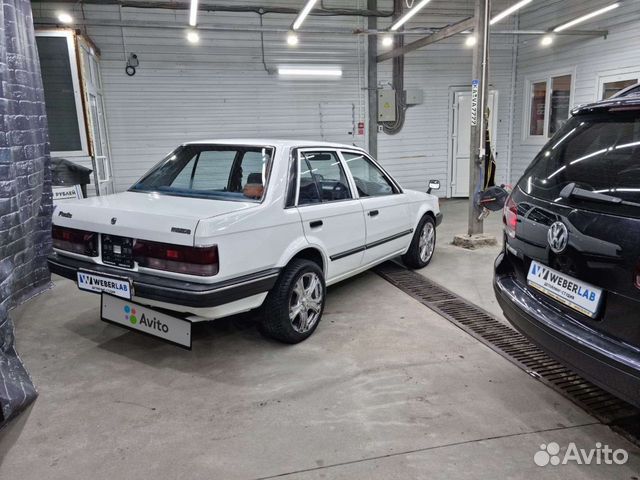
(372, 83)
(479, 98)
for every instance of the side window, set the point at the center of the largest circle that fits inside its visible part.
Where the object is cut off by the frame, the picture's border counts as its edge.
(322, 178)
(369, 179)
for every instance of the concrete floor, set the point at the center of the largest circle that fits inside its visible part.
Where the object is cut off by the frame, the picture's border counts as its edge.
(385, 389)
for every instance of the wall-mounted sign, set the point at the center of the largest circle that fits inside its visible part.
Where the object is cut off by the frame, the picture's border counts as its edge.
(66, 193)
(475, 86)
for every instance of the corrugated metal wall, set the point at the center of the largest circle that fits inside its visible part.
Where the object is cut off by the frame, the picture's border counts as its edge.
(219, 88)
(421, 150)
(589, 56)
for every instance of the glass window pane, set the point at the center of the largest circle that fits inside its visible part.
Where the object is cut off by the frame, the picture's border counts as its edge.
(210, 171)
(369, 179)
(611, 88)
(59, 96)
(560, 102)
(322, 169)
(538, 108)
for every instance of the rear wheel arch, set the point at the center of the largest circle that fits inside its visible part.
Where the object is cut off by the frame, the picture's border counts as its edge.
(312, 254)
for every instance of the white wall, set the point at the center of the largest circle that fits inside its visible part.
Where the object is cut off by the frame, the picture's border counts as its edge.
(421, 150)
(587, 56)
(218, 88)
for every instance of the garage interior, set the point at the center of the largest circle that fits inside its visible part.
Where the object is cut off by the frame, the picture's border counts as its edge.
(387, 387)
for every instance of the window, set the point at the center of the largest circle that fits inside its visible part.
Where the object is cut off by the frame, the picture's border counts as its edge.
(67, 134)
(211, 171)
(549, 105)
(612, 82)
(598, 151)
(369, 179)
(322, 178)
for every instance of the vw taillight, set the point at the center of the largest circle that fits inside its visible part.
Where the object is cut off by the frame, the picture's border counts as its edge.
(201, 261)
(74, 240)
(510, 217)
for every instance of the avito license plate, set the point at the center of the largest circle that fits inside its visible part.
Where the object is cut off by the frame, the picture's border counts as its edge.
(581, 296)
(146, 320)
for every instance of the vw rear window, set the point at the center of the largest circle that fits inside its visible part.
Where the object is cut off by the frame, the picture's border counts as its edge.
(599, 152)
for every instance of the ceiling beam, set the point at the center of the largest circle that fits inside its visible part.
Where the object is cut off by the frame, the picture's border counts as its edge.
(446, 32)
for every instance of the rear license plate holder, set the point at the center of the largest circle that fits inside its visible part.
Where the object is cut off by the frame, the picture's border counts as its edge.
(117, 251)
(571, 292)
(143, 319)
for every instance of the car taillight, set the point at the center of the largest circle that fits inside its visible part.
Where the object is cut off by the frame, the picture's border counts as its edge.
(510, 217)
(76, 241)
(201, 261)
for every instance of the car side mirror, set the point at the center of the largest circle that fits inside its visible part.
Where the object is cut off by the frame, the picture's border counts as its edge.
(433, 185)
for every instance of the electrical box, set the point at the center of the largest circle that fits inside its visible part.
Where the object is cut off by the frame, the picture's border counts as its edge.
(414, 97)
(386, 105)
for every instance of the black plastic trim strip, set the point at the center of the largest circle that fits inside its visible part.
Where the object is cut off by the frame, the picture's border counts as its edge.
(177, 292)
(377, 243)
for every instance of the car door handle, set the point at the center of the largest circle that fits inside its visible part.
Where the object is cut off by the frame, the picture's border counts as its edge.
(315, 224)
(373, 213)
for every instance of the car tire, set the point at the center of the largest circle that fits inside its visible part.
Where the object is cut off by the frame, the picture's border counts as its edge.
(423, 244)
(293, 309)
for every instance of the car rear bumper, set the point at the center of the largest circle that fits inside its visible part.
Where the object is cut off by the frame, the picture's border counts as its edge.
(603, 360)
(171, 291)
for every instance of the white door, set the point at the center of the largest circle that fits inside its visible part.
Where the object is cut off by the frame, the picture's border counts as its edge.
(96, 115)
(460, 139)
(331, 214)
(386, 210)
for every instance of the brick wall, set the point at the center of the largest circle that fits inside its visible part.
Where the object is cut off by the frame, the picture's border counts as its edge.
(25, 190)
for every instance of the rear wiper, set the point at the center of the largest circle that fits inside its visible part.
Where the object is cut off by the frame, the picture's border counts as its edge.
(573, 191)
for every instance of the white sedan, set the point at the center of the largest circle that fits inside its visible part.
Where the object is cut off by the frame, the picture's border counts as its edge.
(226, 226)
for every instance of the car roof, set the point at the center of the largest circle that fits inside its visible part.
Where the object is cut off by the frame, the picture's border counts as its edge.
(630, 96)
(261, 142)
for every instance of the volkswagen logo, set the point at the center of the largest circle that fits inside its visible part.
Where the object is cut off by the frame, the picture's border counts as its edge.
(558, 237)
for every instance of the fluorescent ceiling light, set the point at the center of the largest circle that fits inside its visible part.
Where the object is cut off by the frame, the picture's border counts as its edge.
(297, 23)
(193, 13)
(586, 17)
(509, 11)
(64, 17)
(310, 71)
(407, 16)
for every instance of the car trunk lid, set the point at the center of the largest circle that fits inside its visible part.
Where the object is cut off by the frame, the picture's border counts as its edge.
(146, 216)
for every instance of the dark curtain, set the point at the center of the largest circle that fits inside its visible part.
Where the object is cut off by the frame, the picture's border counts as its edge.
(25, 193)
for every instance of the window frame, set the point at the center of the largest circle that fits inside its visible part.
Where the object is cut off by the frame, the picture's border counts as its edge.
(530, 81)
(298, 152)
(77, 91)
(615, 75)
(397, 189)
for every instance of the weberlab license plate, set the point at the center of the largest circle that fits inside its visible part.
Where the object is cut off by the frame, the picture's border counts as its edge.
(99, 283)
(581, 296)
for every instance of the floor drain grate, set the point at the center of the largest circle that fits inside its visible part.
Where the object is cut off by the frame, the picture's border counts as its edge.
(516, 348)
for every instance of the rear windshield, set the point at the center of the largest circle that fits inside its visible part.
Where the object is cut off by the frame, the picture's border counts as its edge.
(597, 151)
(211, 171)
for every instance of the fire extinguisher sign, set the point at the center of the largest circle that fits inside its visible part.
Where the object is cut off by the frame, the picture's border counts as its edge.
(360, 128)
